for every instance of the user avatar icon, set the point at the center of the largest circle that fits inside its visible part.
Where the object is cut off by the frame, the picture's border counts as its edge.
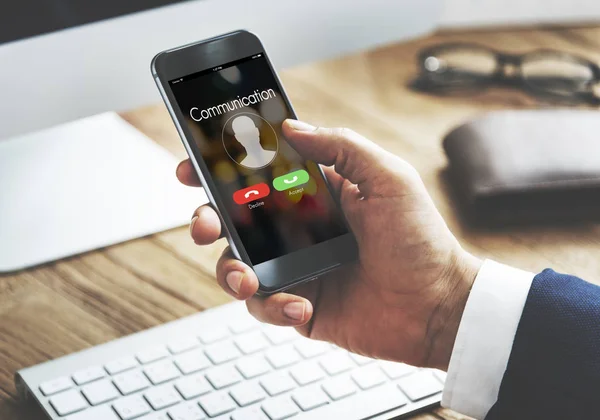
(248, 135)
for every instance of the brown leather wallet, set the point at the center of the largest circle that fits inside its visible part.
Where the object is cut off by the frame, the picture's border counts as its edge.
(527, 166)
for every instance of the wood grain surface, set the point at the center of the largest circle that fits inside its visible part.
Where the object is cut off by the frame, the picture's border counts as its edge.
(69, 305)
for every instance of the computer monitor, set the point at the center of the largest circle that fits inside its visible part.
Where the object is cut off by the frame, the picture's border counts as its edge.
(64, 60)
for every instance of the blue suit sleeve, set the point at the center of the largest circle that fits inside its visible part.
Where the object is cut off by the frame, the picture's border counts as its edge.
(554, 368)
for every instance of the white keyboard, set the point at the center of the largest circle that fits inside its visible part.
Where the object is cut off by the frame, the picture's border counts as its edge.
(222, 364)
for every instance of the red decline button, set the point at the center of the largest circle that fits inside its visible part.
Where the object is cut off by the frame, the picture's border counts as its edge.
(252, 193)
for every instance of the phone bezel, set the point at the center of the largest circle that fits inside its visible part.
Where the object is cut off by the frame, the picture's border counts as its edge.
(297, 267)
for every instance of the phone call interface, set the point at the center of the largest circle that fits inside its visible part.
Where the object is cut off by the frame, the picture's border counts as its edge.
(278, 202)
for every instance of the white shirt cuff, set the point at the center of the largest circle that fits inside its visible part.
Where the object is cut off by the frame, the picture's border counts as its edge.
(485, 337)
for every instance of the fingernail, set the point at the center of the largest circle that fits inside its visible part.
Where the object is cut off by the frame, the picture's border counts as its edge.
(234, 281)
(295, 310)
(192, 223)
(301, 125)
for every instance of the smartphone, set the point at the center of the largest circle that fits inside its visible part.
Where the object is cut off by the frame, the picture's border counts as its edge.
(278, 212)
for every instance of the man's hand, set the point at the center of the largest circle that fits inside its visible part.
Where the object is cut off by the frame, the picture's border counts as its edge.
(404, 298)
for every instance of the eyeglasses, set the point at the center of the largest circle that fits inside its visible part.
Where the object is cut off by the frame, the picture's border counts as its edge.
(454, 69)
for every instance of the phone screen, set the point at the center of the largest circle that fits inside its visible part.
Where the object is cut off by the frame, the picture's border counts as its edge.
(278, 202)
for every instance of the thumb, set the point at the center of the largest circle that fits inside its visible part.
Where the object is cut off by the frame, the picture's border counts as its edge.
(355, 158)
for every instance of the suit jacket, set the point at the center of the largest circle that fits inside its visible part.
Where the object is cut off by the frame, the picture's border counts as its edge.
(554, 368)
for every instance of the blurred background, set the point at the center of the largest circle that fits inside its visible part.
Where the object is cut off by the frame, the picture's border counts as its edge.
(495, 102)
(423, 74)
(459, 13)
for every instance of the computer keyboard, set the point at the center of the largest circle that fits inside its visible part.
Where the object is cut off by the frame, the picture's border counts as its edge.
(222, 364)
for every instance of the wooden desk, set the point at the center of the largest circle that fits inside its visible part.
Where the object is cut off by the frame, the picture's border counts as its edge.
(83, 301)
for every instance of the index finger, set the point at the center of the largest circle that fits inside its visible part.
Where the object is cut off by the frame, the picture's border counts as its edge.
(187, 174)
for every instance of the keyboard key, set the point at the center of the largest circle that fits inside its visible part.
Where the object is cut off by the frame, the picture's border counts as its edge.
(68, 402)
(339, 387)
(277, 382)
(360, 360)
(130, 382)
(253, 366)
(100, 392)
(420, 385)
(131, 407)
(156, 416)
(243, 325)
(440, 374)
(365, 404)
(251, 342)
(223, 417)
(162, 371)
(182, 344)
(247, 393)
(187, 411)
(249, 413)
(307, 373)
(217, 403)
(396, 370)
(311, 348)
(152, 355)
(88, 375)
(280, 335)
(280, 408)
(336, 362)
(56, 385)
(162, 396)
(103, 412)
(120, 365)
(193, 386)
(368, 377)
(213, 335)
(222, 352)
(310, 398)
(282, 356)
(223, 376)
(192, 361)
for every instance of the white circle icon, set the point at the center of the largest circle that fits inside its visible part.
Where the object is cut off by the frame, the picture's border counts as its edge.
(248, 136)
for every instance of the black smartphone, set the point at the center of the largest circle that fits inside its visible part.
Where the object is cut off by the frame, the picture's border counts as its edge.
(277, 210)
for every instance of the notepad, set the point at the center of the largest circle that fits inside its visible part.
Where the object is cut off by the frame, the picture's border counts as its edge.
(85, 185)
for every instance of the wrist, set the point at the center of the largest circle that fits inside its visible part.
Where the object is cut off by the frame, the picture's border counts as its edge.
(455, 287)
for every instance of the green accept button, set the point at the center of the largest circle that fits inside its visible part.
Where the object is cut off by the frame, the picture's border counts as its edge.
(291, 180)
